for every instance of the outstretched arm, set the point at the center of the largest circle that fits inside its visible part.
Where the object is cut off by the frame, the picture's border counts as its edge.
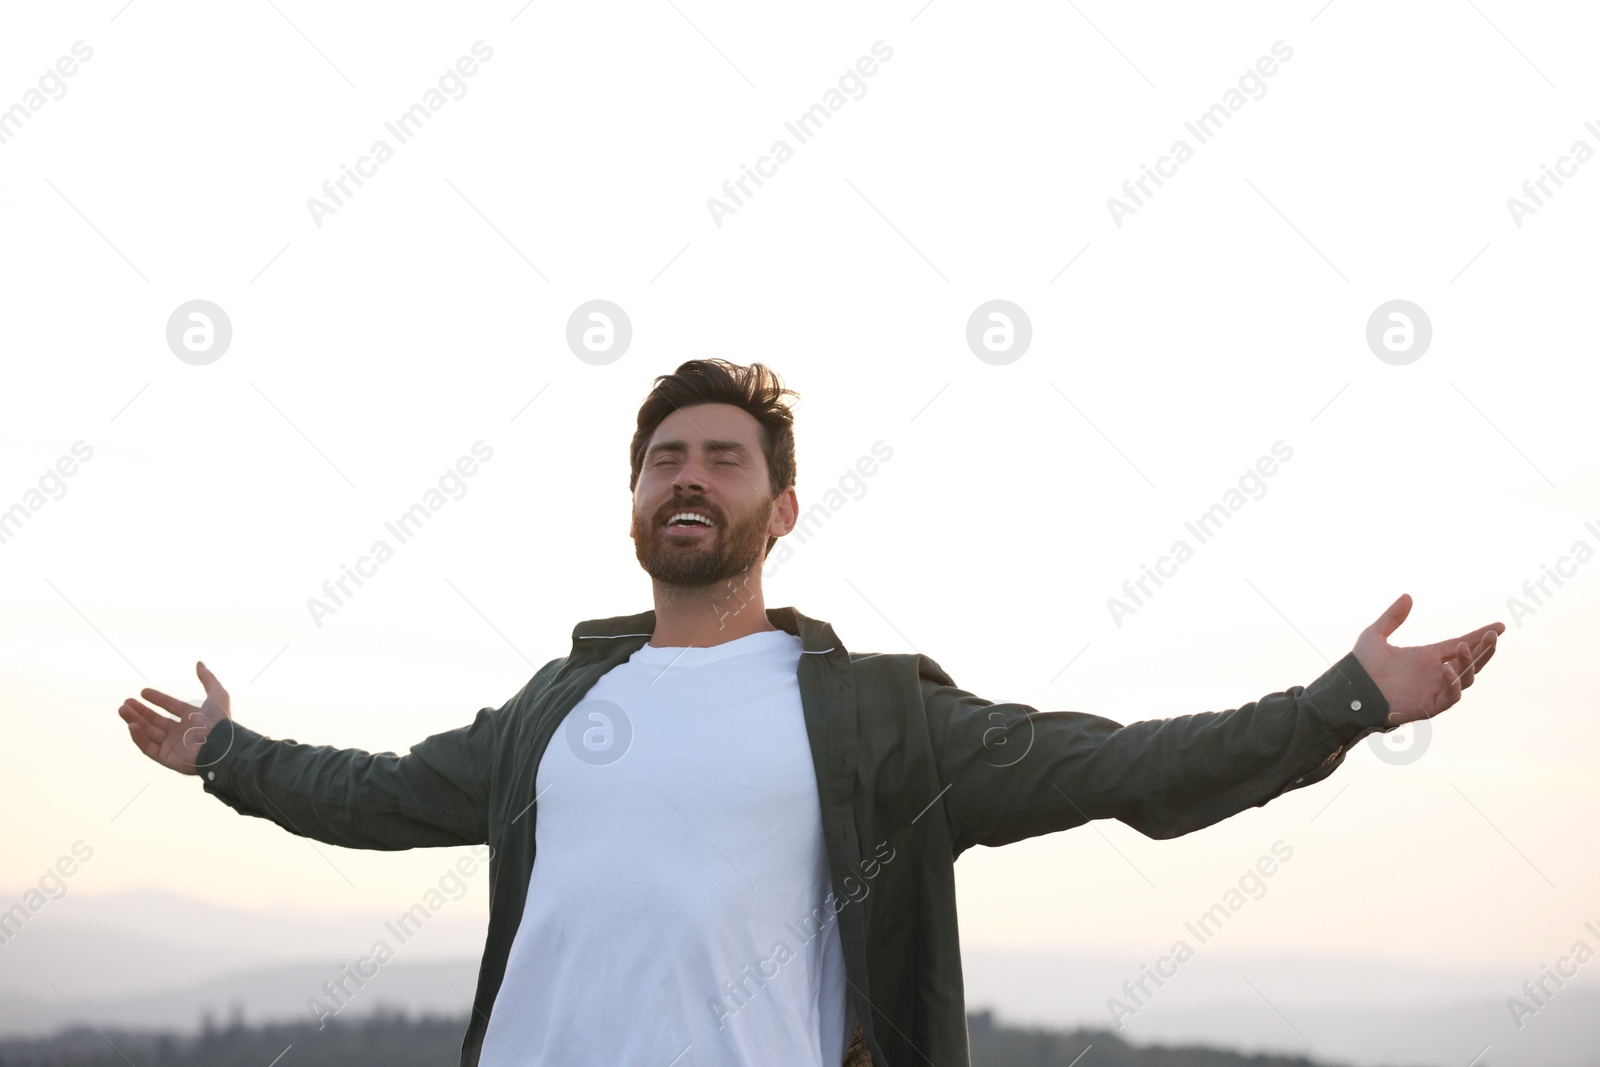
(1014, 772)
(437, 794)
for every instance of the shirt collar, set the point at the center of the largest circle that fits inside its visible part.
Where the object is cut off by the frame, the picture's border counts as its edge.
(816, 636)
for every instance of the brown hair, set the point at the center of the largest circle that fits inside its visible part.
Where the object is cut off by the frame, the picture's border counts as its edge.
(755, 388)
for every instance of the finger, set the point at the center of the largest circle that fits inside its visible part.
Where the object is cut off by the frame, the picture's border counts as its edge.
(1471, 637)
(151, 719)
(1486, 651)
(149, 740)
(178, 707)
(1393, 616)
(1451, 692)
(209, 680)
(1481, 656)
(143, 741)
(148, 716)
(1462, 664)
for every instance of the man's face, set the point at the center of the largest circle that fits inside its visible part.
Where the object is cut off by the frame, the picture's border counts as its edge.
(706, 460)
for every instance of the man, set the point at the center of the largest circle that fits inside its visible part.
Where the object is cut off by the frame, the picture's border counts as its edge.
(746, 833)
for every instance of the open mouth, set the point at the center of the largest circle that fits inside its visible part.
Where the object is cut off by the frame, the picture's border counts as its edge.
(690, 522)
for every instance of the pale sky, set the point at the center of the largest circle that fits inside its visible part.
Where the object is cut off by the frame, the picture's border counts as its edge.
(430, 312)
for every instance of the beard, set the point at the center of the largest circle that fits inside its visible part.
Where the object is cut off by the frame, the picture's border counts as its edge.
(735, 545)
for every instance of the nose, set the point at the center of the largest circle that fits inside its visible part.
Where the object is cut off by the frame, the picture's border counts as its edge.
(690, 478)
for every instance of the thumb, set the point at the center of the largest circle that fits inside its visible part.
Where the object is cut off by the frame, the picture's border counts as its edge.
(209, 680)
(1393, 616)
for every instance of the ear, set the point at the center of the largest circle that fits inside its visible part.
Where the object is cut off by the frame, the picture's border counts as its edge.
(786, 512)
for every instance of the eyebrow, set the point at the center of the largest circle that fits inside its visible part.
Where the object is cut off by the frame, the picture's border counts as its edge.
(713, 446)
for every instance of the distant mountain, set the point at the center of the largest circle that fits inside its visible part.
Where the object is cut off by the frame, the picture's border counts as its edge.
(394, 1040)
(1363, 1011)
(158, 960)
(1564, 1034)
(138, 939)
(276, 994)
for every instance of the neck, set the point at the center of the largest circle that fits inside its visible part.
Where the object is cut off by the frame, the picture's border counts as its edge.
(712, 614)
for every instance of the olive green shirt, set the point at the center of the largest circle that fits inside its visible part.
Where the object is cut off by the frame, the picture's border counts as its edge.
(911, 771)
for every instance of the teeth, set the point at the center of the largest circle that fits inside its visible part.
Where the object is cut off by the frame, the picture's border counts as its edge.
(690, 515)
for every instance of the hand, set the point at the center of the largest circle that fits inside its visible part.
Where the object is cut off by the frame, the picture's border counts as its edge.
(1420, 681)
(176, 742)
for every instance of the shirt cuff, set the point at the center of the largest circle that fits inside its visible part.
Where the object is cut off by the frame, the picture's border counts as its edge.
(217, 759)
(1349, 701)
(1352, 706)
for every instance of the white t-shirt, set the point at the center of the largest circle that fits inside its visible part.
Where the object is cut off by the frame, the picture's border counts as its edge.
(678, 914)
